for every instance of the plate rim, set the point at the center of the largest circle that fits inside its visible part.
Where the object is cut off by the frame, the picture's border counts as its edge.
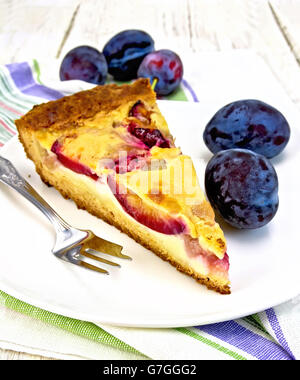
(186, 322)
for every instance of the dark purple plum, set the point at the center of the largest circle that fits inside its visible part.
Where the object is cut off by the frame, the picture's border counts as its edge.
(125, 51)
(84, 63)
(166, 67)
(248, 124)
(243, 187)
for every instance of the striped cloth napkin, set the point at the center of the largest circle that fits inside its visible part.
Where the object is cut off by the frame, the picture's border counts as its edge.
(270, 335)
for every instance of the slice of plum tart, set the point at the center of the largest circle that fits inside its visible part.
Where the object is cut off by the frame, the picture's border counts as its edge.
(109, 149)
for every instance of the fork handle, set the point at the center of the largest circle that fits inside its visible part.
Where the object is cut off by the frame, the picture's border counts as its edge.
(10, 176)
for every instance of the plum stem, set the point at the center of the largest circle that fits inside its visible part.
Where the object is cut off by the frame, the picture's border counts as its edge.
(155, 80)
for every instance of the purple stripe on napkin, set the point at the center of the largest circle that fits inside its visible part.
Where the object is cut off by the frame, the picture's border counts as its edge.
(238, 336)
(22, 76)
(278, 331)
(189, 87)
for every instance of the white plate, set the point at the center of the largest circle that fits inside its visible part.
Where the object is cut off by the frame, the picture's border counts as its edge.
(148, 292)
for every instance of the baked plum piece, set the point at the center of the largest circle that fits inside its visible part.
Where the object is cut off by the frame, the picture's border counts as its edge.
(157, 220)
(248, 124)
(149, 137)
(243, 187)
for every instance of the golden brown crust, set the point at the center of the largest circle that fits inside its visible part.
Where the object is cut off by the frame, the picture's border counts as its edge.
(69, 111)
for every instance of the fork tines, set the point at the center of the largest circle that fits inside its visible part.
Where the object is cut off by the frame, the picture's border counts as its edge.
(91, 248)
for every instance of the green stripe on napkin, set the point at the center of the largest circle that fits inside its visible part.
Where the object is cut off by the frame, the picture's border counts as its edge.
(85, 329)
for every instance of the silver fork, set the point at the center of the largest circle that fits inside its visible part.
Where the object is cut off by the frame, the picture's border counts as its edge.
(72, 244)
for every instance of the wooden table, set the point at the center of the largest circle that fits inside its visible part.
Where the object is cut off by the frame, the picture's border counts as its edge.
(48, 29)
